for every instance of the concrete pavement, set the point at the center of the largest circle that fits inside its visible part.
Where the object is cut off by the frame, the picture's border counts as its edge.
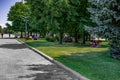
(18, 62)
(7, 36)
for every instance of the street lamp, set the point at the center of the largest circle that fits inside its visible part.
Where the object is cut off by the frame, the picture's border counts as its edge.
(26, 20)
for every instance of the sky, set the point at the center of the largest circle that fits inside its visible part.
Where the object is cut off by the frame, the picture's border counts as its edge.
(4, 9)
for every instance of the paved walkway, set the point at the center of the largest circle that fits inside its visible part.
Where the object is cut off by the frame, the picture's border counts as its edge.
(17, 62)
(6, 36)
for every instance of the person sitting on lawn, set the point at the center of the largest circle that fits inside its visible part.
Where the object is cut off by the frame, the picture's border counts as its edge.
(35, 37)
(94, 44)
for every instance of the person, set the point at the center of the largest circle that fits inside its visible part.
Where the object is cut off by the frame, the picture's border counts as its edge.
(2, 35)
(94, 43)
(35, 37)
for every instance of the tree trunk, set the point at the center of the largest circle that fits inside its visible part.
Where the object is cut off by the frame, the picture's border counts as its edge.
(87, 37)
(21, 32)
(61, 38)
(21, 35)
(30, 33)
(84, 41)
(76, 37)
(25, 34)
(16, 34)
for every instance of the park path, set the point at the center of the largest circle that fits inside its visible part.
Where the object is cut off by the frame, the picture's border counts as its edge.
(7, 36)
(18, 62)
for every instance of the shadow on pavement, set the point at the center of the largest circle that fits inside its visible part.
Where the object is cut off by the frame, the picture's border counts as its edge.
(13, 46)
(48, 72)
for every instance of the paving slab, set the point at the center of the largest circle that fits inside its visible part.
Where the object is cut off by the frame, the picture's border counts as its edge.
(6, 36)
(18, 62)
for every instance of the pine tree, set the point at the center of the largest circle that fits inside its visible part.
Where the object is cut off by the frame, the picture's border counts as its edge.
(106, 13)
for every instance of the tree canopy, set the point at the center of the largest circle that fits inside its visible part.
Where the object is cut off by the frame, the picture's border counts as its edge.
(17, 15)
(59, 16)
(106, 13)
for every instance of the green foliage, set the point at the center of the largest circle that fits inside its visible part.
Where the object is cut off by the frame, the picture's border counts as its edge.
(51, 39)
(49, 15)
(59, 16)
(0, 29)
(9, 26)
(17, 15)
(107, 15)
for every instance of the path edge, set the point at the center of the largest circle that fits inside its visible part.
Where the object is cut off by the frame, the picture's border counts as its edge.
(76, 74)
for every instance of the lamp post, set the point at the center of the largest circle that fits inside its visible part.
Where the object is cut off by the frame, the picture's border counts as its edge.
(26, 27)
(25, 19)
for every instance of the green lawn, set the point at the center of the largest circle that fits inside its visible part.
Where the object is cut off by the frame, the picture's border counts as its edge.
(94, 63)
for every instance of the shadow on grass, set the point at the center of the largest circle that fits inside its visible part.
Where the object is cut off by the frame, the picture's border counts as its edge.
(44, 43)
(95, 65)
(13, 46)
(77, 57)
(55, 44)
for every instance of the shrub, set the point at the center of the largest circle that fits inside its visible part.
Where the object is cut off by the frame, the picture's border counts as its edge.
(51, 39)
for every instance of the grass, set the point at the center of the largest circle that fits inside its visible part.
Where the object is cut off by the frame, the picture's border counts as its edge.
(94, 63)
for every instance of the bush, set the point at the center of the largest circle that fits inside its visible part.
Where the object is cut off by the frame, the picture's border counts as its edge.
(51, 39)
(67, 39)
(57, 38)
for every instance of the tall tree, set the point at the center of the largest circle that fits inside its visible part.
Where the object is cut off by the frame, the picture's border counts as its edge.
(60, 16)
(106, 13)
(78, 17)
(9, 28)
(38, 12)
(50, 14)
(17, 15)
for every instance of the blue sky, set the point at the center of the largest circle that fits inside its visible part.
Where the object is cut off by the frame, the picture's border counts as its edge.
(4, 9)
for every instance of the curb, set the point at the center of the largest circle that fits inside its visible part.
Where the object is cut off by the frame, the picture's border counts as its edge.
(76, 74)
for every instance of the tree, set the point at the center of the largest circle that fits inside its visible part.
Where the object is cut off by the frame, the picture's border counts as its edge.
(78, 17)
(50, 14)
(106, 13)
(17, 15)
(9, 28)
(0, 29)
(59, 10)
(38, 12)
(59, 16)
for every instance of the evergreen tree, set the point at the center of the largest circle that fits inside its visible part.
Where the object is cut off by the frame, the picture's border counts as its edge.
(106, 13)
